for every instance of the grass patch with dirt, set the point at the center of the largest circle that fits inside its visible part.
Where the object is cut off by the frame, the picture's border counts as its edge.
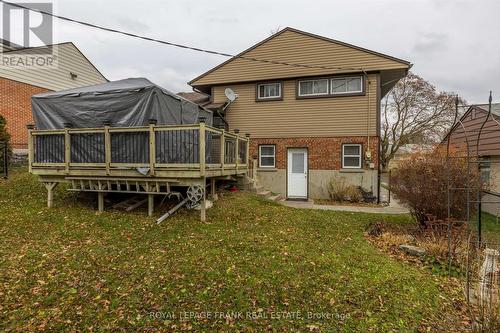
(282, 269)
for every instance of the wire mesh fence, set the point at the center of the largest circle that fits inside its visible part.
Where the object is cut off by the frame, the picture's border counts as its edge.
(473, 240)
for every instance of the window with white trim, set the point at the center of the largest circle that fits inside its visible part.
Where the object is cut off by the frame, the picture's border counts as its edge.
(346, 85)
(267, 156)
(351, 156)
(269, 90)
(313, 87)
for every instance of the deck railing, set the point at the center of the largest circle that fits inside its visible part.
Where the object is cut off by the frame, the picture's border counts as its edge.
(190, 147)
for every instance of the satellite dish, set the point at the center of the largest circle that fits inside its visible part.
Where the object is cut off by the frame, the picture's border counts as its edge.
(230, 94)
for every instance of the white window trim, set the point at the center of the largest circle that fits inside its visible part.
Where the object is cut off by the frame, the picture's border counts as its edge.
(345, 78)
(360, 155)
(267, 84)
(273, 156)
(315, 94)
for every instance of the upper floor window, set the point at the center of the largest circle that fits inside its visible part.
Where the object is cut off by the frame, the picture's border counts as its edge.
(313, 87)
(347, 85)
(269, 90)
(351, 156)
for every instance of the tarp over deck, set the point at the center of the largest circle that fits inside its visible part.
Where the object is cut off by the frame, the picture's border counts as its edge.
(123, 103)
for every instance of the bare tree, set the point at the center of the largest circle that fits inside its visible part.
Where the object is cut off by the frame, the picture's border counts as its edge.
(414, 112)
(275, 30)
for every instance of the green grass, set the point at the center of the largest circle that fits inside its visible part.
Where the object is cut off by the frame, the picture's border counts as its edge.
(490, 228)
(70, 268)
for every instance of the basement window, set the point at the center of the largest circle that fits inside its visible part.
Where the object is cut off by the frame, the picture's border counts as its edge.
(267, 156)
(268, 91)
(351, 156)
(347, 85)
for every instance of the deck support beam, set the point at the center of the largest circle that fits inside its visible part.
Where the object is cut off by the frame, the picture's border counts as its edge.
(151, 204)
(213, 192)
(50, 193)
(100, 201)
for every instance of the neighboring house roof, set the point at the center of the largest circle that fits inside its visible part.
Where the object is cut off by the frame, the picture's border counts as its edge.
(72, 68)
(6, 45)
(195, 97)
(495, 108)
(202, 100)
(495, 111)
(299, 47)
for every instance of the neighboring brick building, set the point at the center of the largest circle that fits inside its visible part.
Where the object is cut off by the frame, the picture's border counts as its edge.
(312, 119)
(18, 84)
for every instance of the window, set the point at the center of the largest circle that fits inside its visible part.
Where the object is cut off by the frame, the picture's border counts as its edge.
(313, 87)
(485, 169)
(267, 156)
(269, 90)
(351, 156)
(347, 85)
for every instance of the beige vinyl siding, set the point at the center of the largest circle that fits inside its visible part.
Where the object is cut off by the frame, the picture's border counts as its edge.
(69, 59)
(291, 117)
(295, 47)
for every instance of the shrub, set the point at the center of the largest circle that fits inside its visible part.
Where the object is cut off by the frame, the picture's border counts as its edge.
(421, 183)
(4, 139)
(339, 190)
(353, 194)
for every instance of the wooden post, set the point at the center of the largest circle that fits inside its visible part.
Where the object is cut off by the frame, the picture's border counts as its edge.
(100, 201)
(202, 146)
(67, 149)
(222, 149)
(213, 191)
(203, 207)
(107, 148)
(50, 193)
(151, 204)
(237, 148)
(247, 153)
(254, 169)
(152, 147)
(31, 152)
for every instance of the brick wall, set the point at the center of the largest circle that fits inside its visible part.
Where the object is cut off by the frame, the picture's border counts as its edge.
(15, 106)
(323, 153)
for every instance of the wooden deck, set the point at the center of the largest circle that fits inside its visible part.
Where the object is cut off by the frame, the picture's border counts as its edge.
(144, 160)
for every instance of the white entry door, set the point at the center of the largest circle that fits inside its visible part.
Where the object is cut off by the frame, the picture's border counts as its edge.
(297, 173)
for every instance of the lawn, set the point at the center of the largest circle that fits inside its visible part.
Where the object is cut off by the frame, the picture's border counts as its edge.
(255, 266)
(491, 228)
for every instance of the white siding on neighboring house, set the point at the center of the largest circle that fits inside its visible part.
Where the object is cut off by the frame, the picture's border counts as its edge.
(69, 60)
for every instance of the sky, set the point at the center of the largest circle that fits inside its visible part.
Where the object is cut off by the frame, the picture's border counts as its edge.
(454, 44)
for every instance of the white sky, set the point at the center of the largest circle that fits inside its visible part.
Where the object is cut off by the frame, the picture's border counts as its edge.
(455, 44)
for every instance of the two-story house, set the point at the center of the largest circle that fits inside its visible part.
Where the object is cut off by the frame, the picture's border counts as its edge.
(312, 107)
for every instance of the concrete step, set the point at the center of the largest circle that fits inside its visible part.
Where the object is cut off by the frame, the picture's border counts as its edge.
(264, 193)
(276, 197)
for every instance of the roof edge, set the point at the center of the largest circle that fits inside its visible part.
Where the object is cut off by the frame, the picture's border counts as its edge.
(405, 62)
(59, 44)
(469, 110)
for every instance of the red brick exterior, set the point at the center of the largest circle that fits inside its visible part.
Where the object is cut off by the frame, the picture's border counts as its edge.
(15, 107)
(323, 153)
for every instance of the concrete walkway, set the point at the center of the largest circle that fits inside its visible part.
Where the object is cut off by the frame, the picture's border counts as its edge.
(393, 208)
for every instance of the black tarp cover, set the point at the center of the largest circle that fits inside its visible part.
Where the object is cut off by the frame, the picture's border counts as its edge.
(124, 103)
